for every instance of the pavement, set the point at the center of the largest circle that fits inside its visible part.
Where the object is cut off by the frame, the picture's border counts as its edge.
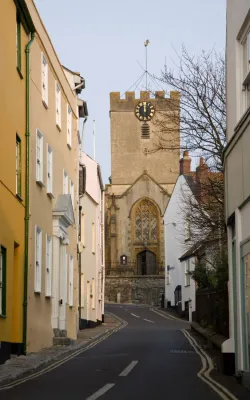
(151, 355)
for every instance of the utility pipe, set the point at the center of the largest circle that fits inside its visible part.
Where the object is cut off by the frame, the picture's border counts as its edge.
(27, 171)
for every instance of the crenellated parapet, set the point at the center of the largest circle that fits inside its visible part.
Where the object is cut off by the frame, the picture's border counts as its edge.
(159, 100)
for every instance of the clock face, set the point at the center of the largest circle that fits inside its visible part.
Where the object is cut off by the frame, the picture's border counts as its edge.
(144, 111)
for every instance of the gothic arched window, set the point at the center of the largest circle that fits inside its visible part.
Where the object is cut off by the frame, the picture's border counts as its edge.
(146, 222)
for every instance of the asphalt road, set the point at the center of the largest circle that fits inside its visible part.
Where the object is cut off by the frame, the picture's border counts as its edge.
(150, 358)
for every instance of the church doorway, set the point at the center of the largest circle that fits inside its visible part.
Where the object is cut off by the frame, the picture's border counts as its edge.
(146, 263)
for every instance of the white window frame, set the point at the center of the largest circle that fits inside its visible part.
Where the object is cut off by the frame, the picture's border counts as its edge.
(49, 170)
(83, 229)
(65, 182)
(243, 69)
(93, 238)
(187, 272)
(72, 191)
(100, 285)
(45, 80)
(71, 282)
(39, 157)
(69, 126)
(93, 293)
(38, 259)
(48, 270)
(58, 105)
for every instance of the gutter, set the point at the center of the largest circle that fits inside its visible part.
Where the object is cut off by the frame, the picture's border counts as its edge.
(27, 215)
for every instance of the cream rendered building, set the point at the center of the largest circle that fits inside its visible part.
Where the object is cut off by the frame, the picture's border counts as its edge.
(237, 183)
(53, 268)
(91, 246)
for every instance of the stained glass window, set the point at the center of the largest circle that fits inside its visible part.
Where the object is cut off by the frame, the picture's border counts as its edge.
(146, 222)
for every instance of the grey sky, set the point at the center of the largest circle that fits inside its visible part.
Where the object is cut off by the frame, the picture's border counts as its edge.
(103, 40)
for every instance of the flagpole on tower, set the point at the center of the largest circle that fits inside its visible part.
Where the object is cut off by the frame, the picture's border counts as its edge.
(94, 137)
(146, 51)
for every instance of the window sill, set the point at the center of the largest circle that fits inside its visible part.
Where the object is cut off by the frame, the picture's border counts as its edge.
(187, 285)
(45, 104)
(40, 183)
(48, 296)
(69, 146)
(19, 197)
(188, 239)
(19, 72)
(3, 316)
(38, 292)
(59, 128)
(50, 195)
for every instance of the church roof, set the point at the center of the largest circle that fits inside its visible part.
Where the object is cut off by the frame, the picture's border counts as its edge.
(151, 178)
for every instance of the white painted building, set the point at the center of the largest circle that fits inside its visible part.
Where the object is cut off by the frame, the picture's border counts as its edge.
(179, 286)
(91, 246)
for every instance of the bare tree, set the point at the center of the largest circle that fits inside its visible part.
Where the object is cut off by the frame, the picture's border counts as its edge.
(201, 83)
(202, 120)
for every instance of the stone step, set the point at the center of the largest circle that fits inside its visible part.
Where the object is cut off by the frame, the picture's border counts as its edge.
(62, 341)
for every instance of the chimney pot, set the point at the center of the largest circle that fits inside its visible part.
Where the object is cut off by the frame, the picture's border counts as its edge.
(185, 163)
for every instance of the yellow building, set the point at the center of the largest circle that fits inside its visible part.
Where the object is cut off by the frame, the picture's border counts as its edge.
(16, 29)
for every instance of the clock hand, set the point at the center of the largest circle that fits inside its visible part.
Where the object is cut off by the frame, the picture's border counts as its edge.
(145, 109)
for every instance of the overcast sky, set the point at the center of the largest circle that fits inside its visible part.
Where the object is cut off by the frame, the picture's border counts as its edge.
(104, 41)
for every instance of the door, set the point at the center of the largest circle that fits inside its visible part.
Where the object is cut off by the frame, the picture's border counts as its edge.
(146, 263)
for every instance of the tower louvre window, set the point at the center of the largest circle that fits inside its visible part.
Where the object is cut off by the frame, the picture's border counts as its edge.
(145, 131)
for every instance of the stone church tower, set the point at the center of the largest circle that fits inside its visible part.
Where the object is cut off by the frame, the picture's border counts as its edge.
(145, 140)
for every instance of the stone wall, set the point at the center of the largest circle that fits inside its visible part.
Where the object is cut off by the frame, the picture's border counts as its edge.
(135, 289)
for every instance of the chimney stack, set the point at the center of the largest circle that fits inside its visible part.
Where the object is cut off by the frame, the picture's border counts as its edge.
(185, 163)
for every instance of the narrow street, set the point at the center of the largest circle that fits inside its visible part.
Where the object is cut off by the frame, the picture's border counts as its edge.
(150, 358)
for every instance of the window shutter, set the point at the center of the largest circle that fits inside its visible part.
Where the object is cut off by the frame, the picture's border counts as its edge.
(71, 281)
(49, 170)
(65, 182)
(39, 156)
(44, 79)
(82, 179)
(48, 272)
(58, 105)
(69, 125)
(72, 192)
(82, 290)
(38, 260)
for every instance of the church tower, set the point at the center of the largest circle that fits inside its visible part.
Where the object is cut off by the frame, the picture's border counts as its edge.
(145, 141)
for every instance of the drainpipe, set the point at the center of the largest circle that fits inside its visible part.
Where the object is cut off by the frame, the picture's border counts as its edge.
(27, 171)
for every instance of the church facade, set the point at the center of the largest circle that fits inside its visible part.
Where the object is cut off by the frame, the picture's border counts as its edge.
(145, 140)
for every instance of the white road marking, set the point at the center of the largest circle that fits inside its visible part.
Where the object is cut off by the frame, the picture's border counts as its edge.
(148, 320)
(67, 358)
(129, 368)
(100, 392)
(207, 367)
(165, 315)
(137, 316)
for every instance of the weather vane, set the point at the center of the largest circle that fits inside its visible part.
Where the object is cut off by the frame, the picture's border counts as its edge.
(146, 49)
